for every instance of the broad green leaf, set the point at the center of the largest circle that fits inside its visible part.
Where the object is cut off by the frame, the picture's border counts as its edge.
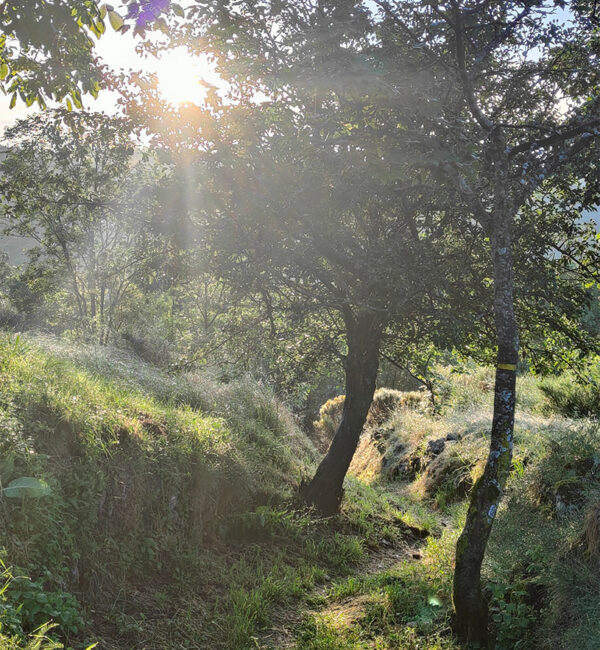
(3, 71)
(115, 20)
(26, 486)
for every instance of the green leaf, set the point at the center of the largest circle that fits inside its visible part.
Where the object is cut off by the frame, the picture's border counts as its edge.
(26, 486)
(115, 20)
(178, 10)
(7, 465)
(69, 105)
(13, 101)
(3, 71)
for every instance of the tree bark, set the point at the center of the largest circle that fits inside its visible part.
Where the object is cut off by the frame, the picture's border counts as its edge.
(363, 331)
(471, 610)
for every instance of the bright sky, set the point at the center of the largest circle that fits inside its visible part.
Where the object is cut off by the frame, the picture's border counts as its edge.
(179, 76)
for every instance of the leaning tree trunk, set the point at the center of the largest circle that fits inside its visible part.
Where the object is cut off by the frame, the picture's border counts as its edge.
(471, 610)
(363, 330)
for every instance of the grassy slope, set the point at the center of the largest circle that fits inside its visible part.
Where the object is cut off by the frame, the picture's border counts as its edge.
(542, 573)
(168, 524)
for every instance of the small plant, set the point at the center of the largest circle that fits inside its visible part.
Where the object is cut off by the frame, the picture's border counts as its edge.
(37, 640)
(25, 605)
(512, 615)
(11, 347)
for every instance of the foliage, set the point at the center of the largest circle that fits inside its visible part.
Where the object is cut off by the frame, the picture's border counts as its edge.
(27, 605)
(47, 50)
(71, 185)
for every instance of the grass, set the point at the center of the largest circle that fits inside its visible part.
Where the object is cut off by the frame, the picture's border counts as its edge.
(171, 522)
(403, 607)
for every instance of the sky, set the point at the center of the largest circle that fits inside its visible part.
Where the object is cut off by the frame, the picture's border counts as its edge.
(178, 76)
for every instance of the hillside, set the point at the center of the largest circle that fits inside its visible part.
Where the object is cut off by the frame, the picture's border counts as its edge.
(157, 512)
(141, 471)
(160, 513)
(541, 571)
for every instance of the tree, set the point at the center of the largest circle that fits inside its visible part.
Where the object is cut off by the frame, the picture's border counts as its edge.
(467, 93)
(70, 182)
(46, 50)
(314, 225)
(518, 104)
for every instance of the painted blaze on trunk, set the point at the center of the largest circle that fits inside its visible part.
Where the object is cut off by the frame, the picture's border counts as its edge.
(363, 330)
(471, 609)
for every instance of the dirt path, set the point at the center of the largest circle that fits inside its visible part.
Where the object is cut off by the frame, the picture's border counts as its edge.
(285, 620)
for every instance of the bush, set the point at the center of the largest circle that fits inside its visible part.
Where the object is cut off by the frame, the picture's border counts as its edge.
(27, 604)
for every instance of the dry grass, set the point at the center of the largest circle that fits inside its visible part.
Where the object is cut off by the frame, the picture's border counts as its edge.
(385, 402)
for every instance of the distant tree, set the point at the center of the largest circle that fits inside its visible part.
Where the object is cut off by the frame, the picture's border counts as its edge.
(73, 183)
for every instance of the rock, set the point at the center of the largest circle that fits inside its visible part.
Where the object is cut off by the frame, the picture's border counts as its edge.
(451, 474)
(435, 447)
(452, 436)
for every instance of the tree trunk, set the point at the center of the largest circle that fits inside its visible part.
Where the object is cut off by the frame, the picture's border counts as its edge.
(363, 330)
(471, 610)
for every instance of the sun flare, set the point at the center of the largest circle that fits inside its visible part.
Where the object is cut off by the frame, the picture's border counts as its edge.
(183, 78)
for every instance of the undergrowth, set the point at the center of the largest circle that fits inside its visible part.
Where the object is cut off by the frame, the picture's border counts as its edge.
(166, 518)
(158, 511)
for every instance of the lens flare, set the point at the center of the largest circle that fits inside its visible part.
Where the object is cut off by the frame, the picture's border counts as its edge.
(183, 78)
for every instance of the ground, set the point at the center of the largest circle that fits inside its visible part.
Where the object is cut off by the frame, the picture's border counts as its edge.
(165, 514)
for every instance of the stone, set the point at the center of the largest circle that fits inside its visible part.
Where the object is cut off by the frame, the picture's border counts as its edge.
(435, 447)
